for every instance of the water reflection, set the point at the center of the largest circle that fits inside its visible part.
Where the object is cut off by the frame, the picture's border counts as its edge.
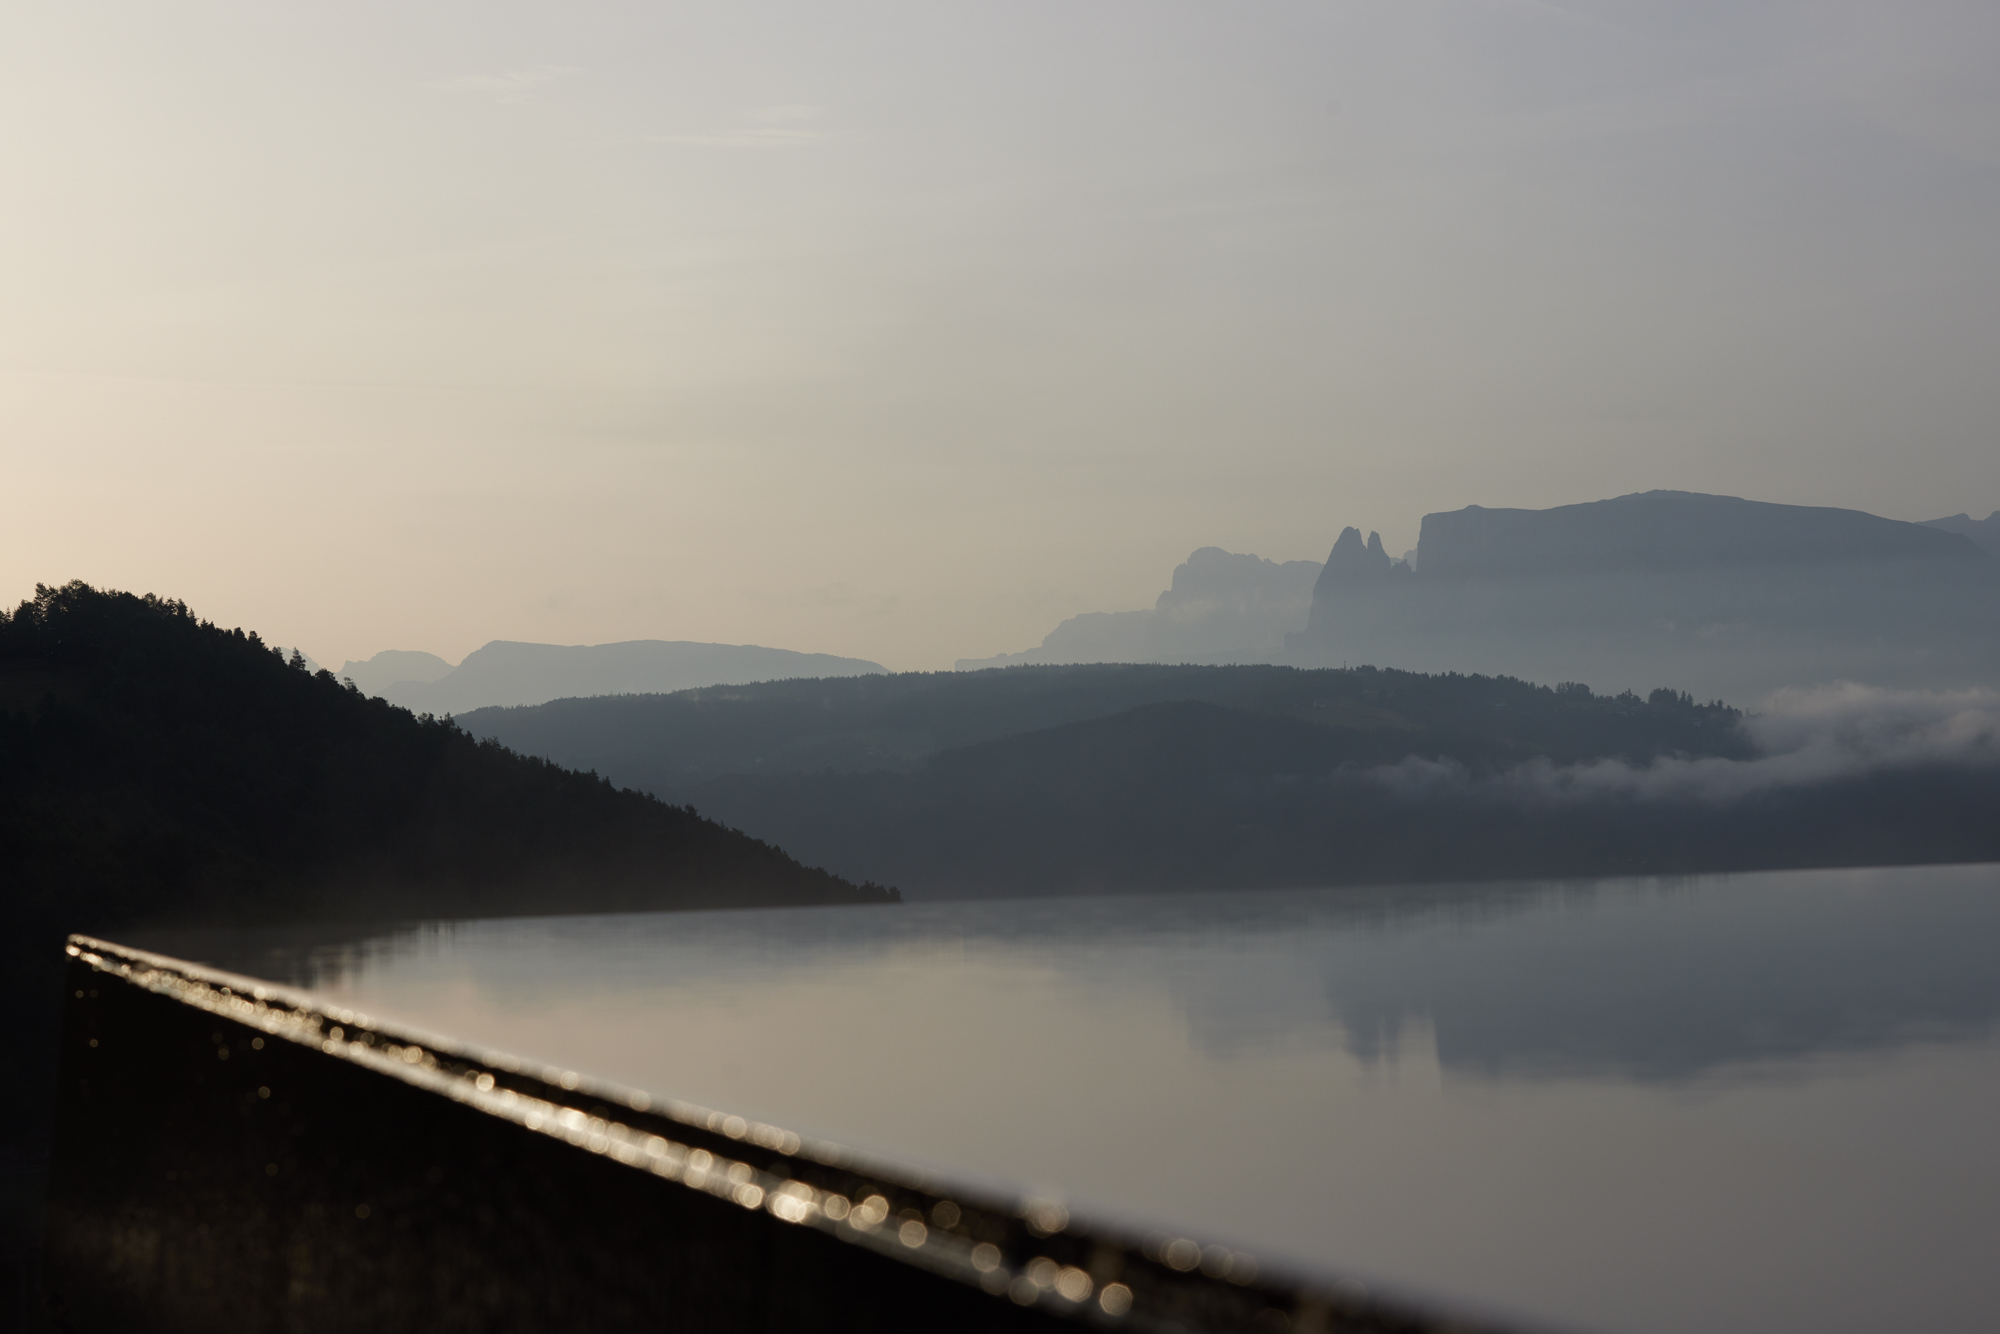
(1660, 979)
(1652, 982)
(1748, 1103)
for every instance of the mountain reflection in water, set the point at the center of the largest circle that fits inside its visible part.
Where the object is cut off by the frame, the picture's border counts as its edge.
(1651, 979)
(1751, 1102)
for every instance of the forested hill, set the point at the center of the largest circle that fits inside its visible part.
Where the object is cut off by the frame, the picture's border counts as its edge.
(1119, 777)
(156, 767)
(671, 744)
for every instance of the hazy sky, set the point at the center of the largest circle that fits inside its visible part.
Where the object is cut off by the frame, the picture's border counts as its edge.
(906, 330)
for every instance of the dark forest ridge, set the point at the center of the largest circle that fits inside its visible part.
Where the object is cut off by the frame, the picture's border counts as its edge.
(671, 743)
(154, 766)
(1088, 778)
(1188, 794)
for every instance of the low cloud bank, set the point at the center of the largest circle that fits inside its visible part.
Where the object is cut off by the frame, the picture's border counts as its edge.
(1812, 735)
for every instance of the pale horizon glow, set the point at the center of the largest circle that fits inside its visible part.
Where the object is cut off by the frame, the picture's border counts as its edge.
(904, 332)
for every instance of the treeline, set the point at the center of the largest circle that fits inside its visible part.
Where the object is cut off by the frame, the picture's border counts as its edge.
(672, 744)
(154, 767)
(1141, 803)
(1074, 779)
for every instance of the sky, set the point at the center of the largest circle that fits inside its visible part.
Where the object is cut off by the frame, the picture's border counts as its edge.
(906, 330)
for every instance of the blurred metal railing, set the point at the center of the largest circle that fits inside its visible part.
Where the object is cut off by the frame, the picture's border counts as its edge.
(235, 1154)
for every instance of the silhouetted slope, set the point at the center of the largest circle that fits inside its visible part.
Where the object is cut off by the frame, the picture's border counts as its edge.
(154, 766)
(668, 743)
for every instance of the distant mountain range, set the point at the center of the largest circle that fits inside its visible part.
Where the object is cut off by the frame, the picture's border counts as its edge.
(378, 676)
(1221, 607)
(505, 673)
(1985, 532)
(1725, 597)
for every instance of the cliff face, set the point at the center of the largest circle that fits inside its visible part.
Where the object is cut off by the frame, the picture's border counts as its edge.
(1354, 569)
(1352, 559)
(1212, 579)
(1726, 596)
(1221, 606)
(1669, 530)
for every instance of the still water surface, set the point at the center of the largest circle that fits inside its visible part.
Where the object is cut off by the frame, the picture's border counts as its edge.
(1763, 1102)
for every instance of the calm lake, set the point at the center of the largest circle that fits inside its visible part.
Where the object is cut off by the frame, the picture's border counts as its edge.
(1758, 1102)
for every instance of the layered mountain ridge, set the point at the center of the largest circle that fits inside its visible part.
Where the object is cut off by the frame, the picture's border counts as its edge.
(505, 673)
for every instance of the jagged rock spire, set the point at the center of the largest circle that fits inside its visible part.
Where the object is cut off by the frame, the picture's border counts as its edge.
(1349, 552)
(1352, 561)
